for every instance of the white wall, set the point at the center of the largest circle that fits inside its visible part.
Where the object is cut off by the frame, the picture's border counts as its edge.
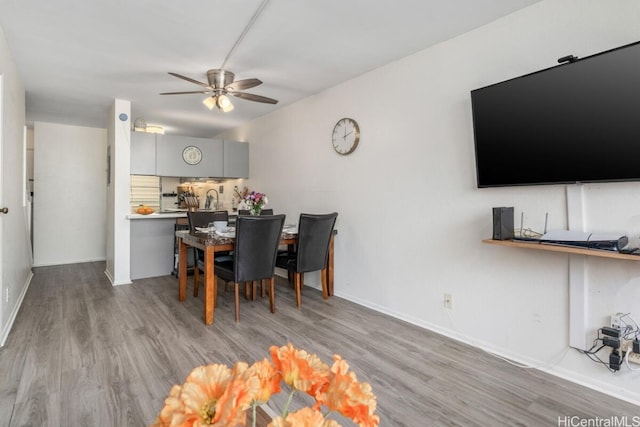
(118, 249)
(69, 194)
(15, 255)
(411, 219)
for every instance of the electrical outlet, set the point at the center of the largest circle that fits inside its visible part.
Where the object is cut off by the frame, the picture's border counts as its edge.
(617, 322)
(448, 301)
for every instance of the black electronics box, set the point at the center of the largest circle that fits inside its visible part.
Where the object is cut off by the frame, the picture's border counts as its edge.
(503, 223)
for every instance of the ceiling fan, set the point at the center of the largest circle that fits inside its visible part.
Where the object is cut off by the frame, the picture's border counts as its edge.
(220, 84)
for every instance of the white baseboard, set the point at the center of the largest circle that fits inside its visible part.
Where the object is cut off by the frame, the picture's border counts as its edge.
(520, 359)
(16, 308)
(79, 261)
(114, 283)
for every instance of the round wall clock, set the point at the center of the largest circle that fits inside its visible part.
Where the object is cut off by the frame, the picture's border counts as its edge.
(192, 155)
(346, 135)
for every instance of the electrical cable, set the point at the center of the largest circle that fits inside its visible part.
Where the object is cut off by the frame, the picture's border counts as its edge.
(626, 328)
(527, 233)
(592, 354)
(245, 31)
(543, 366)
(636, 329)
(596, 359)
(633, 320)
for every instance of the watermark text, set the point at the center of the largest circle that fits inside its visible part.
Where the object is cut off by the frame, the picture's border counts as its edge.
(614, 421)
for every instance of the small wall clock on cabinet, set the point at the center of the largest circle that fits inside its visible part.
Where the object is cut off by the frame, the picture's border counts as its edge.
(346, 136)
(192, 155)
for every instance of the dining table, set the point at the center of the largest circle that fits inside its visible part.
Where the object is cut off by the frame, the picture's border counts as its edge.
(211, 242)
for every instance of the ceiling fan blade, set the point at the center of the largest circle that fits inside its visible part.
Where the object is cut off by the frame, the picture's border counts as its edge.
(185, 93)
(189, 79)
(252, 97)
(243, 84)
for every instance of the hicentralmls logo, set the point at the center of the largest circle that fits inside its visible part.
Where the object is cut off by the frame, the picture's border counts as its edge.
(616, 421)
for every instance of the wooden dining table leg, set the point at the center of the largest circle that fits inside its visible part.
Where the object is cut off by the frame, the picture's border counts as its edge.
(209, 286)
(329, 269)
(323, 279)
(182, 271)
(237, 298)
(297, 283)
(272, 294)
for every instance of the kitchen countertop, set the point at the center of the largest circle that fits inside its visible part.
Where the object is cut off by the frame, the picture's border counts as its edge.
(157, 215)
(168, 214)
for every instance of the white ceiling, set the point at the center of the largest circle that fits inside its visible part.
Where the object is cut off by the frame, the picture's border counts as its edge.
(75, 56)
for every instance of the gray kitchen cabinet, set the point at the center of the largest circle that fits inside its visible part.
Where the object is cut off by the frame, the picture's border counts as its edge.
(152, 250)
(143, 153)
(186, 156)
(236, 159)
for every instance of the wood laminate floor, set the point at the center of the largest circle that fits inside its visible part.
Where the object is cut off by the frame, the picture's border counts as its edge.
(84, 353)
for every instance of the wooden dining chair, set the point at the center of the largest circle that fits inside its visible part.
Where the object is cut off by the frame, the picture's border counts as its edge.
(256, 247)
(202, 219)
(311, 251)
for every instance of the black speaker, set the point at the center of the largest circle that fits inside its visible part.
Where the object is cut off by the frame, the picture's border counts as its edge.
(503, 223)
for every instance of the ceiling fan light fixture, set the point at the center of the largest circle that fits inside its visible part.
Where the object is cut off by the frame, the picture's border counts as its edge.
(224, 103)
(154, 129)
(220, 84)
(140, 125)
(210, 102)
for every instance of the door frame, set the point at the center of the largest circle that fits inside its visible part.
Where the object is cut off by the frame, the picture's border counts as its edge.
(3, 291)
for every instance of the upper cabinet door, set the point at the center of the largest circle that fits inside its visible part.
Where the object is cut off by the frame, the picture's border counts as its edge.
(143, 153)
(186, 156)
(236, 159)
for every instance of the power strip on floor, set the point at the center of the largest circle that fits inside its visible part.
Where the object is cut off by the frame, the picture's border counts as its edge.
(632, 357)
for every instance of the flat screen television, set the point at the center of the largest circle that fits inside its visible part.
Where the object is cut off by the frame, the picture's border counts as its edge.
(575, 122)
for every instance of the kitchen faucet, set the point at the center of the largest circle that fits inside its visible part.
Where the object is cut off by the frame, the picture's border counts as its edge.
(207, 203)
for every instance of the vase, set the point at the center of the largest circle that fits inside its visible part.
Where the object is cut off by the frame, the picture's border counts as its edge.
(255, 211)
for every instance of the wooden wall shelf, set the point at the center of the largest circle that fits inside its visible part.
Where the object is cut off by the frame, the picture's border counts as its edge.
(565, 249)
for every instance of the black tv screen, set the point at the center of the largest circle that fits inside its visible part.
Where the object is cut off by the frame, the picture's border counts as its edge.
(575, 122)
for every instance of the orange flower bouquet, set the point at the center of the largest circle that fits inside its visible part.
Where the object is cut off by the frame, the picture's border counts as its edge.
(218, 396)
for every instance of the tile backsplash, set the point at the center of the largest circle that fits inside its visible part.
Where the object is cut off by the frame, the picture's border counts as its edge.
(169, 191)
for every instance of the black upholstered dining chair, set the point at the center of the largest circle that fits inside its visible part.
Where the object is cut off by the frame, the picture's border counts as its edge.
(311, 252)
(202, 219)
(244, 212)
(256, 247)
